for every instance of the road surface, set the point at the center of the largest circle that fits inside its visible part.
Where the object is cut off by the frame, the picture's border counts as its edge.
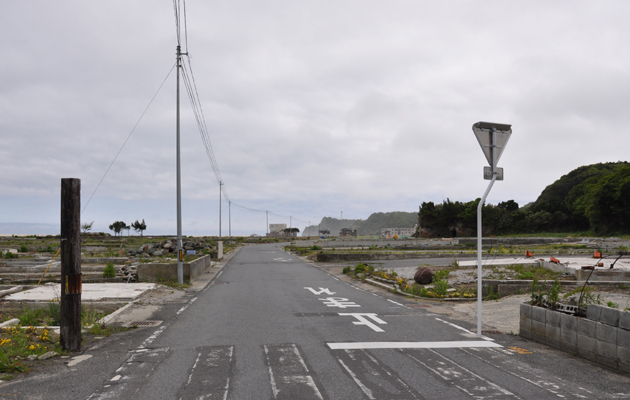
(270, 326)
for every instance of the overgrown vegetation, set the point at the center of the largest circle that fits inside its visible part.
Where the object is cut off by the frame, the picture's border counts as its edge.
(109, 271)
(592, 198)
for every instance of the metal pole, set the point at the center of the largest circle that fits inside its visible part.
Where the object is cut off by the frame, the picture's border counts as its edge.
(230, 217)
(220, 194)
(479, 231)
(180, 251)
(267, 221)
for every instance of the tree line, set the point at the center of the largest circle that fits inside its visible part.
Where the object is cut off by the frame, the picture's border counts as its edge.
(118, 227)
(592, 198)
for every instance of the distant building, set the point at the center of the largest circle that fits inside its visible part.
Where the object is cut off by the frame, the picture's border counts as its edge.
(345, 232)
(277, 227)
(389, 233)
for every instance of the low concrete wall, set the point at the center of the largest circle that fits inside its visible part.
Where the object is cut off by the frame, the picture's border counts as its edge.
(153, 272)
(602, 337)
(103, 260)
(582, 275)
(329, 257)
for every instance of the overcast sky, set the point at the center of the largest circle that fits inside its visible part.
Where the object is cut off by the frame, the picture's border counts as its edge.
(312, 107)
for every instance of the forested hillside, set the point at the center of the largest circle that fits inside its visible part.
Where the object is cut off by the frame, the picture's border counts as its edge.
(370, 226)
(590, 198)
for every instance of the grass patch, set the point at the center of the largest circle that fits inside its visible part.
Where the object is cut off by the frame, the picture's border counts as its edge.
(173, 284)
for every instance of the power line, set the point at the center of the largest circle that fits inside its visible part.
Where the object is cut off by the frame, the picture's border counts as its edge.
(128, 136)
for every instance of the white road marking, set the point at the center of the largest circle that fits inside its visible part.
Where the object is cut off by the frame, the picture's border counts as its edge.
(365, 389)
(362, 320)
(75, 360)
(151, 338)
(395, 302)
(181, 310)
(340, 302)
(321, 290)
(456, 344)
(465, 330)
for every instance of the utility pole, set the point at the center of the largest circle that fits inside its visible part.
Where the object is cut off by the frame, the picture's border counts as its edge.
(230, 217)
(267, 221)
(220, 194)
(180, 247)
(290, 221)
(70, 324)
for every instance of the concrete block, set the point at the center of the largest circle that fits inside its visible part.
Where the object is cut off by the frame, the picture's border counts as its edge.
(593, 311)
(624, 320)
(568, 322)
(538, 330)
(526, 310)
(568, 340)
(606, 361)
(552, 336)
(538, 314)
(587, 354)
(586, 344)
(623, 355)
(607, 350)
(552, 318)
(525, 327)
(623, 338)
(623, 367)
(606, 333)
(609, 316)
(586, 327)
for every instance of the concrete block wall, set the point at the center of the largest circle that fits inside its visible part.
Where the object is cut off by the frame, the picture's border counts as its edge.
(602, 337)
(153, 272)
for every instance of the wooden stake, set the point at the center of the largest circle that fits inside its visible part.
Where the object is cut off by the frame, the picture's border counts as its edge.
(70, 335)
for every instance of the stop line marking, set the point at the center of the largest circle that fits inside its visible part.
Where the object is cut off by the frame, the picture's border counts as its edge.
(456, 344)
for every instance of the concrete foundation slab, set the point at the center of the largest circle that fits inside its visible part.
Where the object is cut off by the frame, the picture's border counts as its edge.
(91, 292)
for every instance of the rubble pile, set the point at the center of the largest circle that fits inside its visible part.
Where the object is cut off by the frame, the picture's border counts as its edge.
(169, 246)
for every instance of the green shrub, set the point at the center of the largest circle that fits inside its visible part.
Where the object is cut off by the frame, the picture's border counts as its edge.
(346, 270)
(316, 247)
(440, 287)
(109, 271)
(8, 254)
(359, 268)
(23, 249)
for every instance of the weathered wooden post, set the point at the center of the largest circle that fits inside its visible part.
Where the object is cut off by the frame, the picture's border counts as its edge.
(70, 334)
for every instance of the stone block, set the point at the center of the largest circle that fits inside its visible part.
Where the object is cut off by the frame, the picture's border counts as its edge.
(607, 350)
(538, 330)
(568, 322)
(606, 361)
(606, 333)
(624, 320)
(526, 311)
(538, 314)
(552, 335)
(586, 327)
(623, 367)
(587, 354)
(525, 327)
(623, 338)
(586, 344)
(553, 318)
(609, 316)
(593, 311)
(568, 340)
(623, 355)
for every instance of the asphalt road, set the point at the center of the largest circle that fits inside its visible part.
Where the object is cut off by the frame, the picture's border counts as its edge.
(271, 326)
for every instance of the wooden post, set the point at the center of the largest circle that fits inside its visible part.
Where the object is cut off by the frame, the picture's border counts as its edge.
(70, 335)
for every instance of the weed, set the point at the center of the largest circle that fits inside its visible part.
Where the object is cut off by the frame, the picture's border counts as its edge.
(23, 249)
(109, 271)
(346, 270)
(553, 295)
(173, 284)
(316, 247)
(492, 295)
(612, 305)
(623, 287)
(7, 366)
